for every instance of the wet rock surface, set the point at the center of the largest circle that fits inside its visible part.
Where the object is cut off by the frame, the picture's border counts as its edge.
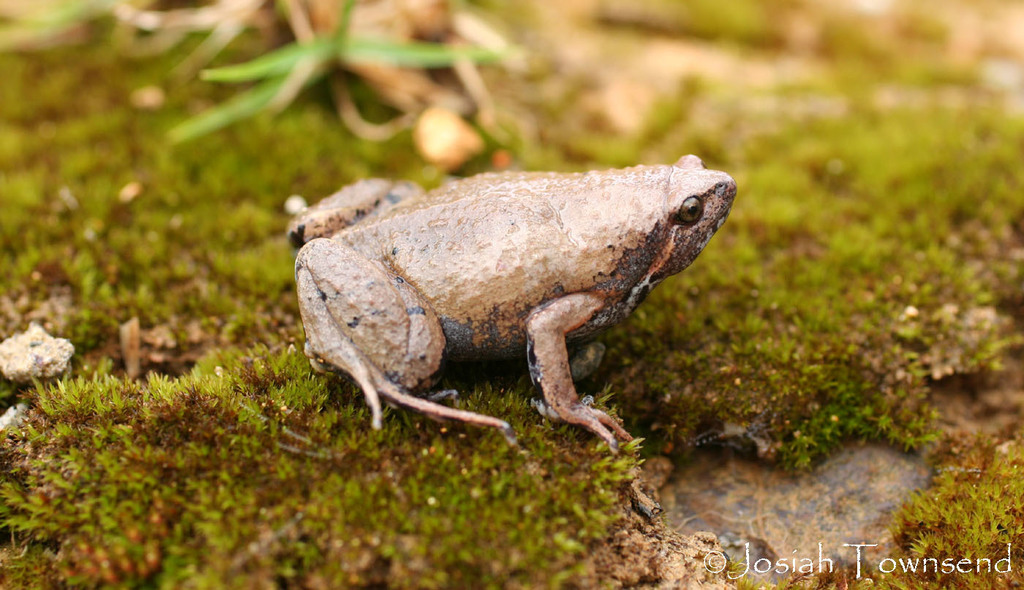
(759, 511)
(34, 354)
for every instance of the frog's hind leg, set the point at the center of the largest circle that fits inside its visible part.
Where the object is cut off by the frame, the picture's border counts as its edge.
(363, 320)
(360, 200)
(395, 396)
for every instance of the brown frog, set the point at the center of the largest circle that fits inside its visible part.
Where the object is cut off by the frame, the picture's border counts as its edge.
(393, 281)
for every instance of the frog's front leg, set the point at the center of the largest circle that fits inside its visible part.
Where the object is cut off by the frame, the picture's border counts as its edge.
(364, 320)
(546, 328)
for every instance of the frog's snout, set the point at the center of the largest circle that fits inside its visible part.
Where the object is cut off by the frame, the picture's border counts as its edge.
(724, 192)
(726, 189)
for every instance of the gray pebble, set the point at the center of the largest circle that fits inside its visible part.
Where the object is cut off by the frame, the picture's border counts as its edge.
(34, 354)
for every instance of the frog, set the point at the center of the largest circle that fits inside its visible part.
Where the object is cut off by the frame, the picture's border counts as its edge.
(394, 281)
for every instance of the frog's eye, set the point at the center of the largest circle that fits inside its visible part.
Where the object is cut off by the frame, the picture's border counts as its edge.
(691, 210)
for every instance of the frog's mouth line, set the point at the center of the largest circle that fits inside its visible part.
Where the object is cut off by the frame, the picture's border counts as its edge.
(721, 222)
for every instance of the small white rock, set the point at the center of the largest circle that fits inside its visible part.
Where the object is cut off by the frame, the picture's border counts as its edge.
(34, 354)
(13, 416)
(294, 205)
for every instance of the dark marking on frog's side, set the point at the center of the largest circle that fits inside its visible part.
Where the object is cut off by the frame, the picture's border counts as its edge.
(416, 311)
(361, 213)
(495, 336)
(480, 340)
(354, 323)
(634, 263)
(458, 335)
(297, 237)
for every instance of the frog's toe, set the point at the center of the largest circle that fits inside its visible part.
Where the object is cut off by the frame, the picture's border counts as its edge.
(510, 435)
(583, 414)
(612, 423)
(605, 435)
(600, 423)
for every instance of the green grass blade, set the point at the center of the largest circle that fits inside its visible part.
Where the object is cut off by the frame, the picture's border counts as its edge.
(239, 107)
(346, 18)
(276, 63)
(414, 53)
(411, 54)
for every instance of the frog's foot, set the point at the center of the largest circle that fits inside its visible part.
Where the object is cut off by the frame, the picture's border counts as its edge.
(546, 328)
(585, 413)
(362, 320)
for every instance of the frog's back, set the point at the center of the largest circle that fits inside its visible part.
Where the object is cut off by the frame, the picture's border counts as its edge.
(558, 188)
(515, 219)
(579, 205)
(502, 243)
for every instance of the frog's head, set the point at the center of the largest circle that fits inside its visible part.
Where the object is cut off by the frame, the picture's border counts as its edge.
(697, 204)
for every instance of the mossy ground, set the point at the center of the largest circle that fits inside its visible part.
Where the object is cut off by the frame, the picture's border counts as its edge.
(874, 247)
(269, 472)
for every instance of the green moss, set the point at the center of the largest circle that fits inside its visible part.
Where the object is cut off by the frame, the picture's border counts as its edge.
(256, 470)
(974, 509)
